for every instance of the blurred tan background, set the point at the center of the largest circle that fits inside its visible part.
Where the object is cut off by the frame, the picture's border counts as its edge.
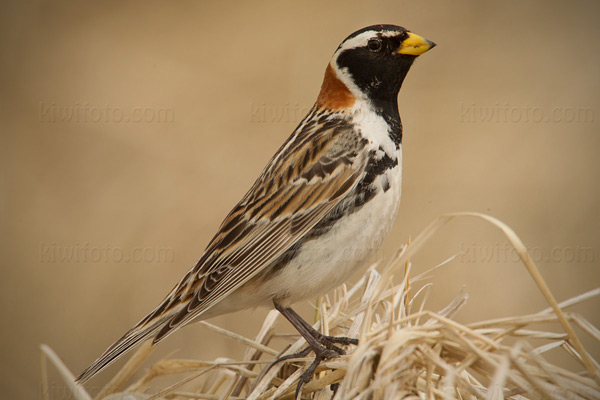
(130, 129)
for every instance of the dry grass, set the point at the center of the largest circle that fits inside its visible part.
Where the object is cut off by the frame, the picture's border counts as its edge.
(405, 350)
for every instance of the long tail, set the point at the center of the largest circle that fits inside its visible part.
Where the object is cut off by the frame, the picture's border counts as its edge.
(148, 327)
(134, 336)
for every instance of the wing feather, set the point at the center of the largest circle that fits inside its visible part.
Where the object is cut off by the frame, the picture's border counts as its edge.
(310, 174)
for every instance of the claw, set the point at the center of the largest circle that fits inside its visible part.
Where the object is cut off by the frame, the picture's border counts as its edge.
(300, 354)
(341, 340)
(321, 355)
(323, 346)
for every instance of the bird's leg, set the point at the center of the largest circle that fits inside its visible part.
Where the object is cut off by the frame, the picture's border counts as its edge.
(323, 338)
(322, 345)
(300, 354)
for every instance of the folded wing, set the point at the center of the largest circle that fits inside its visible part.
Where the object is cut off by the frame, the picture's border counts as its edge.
(317, 167)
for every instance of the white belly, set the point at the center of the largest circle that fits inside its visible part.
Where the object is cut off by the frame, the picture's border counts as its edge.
(328, 261)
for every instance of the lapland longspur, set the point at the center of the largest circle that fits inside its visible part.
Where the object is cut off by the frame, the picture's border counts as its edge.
(322, 205)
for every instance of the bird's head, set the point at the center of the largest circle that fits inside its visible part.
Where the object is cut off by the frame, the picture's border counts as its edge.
(371, 63)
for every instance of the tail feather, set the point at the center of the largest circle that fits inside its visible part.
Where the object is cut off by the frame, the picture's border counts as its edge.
(145, 329)
(133, 337)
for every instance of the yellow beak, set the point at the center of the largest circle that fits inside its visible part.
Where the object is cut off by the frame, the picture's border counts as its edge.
(415, 45)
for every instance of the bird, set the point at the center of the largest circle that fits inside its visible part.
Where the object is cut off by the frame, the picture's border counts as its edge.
(321, 207)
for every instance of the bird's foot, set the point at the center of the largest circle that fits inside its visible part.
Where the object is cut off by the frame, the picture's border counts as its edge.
(327, 350)
(323, 346)
(322, 353)
(338, 339)
(300, 354)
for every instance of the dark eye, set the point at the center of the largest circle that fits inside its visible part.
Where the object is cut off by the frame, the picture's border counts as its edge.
(374, 44)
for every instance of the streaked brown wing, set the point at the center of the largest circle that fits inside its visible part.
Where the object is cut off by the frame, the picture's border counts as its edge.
(304, 181)
(309, 175)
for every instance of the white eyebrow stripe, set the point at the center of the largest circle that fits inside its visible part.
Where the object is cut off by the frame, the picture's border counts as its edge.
(389, 33)
(357, 41)
(361, 40)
